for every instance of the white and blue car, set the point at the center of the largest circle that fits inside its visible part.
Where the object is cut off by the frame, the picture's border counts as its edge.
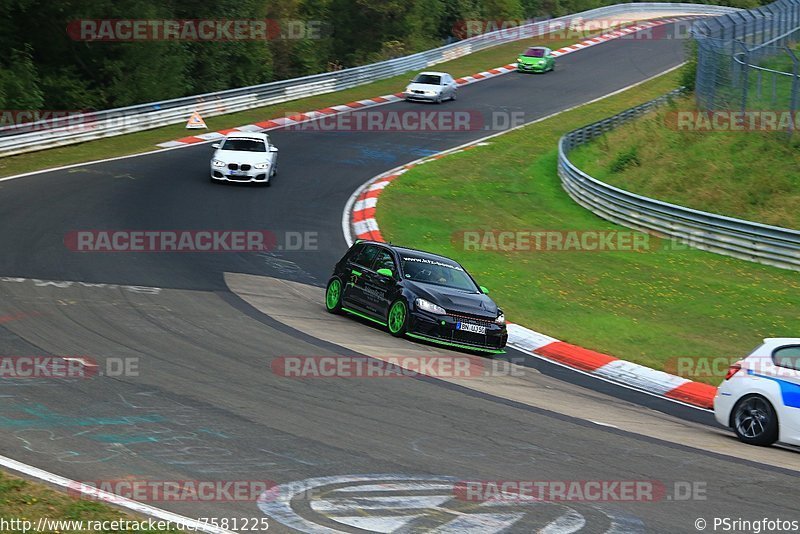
(760, 396)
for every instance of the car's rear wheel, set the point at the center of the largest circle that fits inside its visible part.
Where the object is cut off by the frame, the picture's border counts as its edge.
(398, 318)
(755, 421)
(333, 296)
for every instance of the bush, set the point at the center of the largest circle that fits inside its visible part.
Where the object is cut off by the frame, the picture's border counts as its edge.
(625, 160)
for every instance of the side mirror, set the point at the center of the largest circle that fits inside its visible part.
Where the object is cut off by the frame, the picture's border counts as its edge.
(484, 290)
(215, 145)
(385, 272)
(273, 149)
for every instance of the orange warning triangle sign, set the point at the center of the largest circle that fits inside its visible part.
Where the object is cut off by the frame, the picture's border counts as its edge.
(196, 122)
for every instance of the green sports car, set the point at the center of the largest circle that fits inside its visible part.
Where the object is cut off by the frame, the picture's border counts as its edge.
(536, 59)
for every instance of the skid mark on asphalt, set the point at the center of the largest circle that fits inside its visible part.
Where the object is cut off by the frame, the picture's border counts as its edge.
(388, 153)
(282, 268)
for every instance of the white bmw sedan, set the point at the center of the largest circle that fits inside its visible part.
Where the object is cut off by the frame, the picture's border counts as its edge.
(432, 87)
(244, 157)
(760, 396)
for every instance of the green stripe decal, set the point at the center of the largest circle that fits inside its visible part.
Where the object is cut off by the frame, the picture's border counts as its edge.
(451, 344)
(367, 317)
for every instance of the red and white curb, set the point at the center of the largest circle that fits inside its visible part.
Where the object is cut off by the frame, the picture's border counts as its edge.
(359, 222)
(298, 118)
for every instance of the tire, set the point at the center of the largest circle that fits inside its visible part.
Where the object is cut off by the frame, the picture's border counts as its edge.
(333, 296)
(453, 98)
(754, 420)
(438, 99)
(397, 318)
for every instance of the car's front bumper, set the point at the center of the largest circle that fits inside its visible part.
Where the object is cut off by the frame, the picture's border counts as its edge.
(522, 67)
(418, 96)
(443, 329)
(223, 174)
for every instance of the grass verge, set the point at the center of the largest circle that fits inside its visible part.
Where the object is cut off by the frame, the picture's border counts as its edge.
(28, 501)
(648, 307)
(751, 175)
(145, 141)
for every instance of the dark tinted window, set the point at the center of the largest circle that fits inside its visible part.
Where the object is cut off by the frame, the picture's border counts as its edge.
(438, 272)
(535, 52)
(428, 78)
(366, 256)
(245, 145)
(384, 260)
(788, 357)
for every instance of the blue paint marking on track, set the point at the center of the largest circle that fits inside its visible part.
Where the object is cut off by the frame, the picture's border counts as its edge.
(40, 416)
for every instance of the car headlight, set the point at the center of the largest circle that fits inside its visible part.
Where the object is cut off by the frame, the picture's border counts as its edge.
(218, 163)
(261, 165)
(501, 319)
(424, 305)
(408, 89)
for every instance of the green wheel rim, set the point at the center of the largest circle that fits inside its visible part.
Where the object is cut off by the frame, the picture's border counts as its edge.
(333, 294)
(397, 317)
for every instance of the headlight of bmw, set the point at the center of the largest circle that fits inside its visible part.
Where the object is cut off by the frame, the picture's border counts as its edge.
(424, 305)
(501, 319)
(218, 163)
(261, 165)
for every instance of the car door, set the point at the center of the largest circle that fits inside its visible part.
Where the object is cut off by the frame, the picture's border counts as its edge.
(354, 271)
(787, 373)
(451, 86)
(379, 287)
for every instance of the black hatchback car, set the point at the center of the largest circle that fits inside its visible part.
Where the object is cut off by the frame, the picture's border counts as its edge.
(416, 294)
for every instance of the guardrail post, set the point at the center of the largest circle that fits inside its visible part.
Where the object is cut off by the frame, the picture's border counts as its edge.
(745, 68)
(793, 105)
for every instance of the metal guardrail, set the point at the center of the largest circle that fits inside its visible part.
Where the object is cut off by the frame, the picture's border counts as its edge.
(761, 243)
(80, 128)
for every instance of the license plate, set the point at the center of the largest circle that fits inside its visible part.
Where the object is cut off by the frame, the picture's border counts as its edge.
(236, 173)
(474, 328)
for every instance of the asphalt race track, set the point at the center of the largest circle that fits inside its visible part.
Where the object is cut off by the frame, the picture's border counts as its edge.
(206, 404)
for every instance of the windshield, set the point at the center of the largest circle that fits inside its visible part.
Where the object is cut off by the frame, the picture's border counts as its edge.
(534, 52)
(429, 79)
(438, 272)
(245, 145)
